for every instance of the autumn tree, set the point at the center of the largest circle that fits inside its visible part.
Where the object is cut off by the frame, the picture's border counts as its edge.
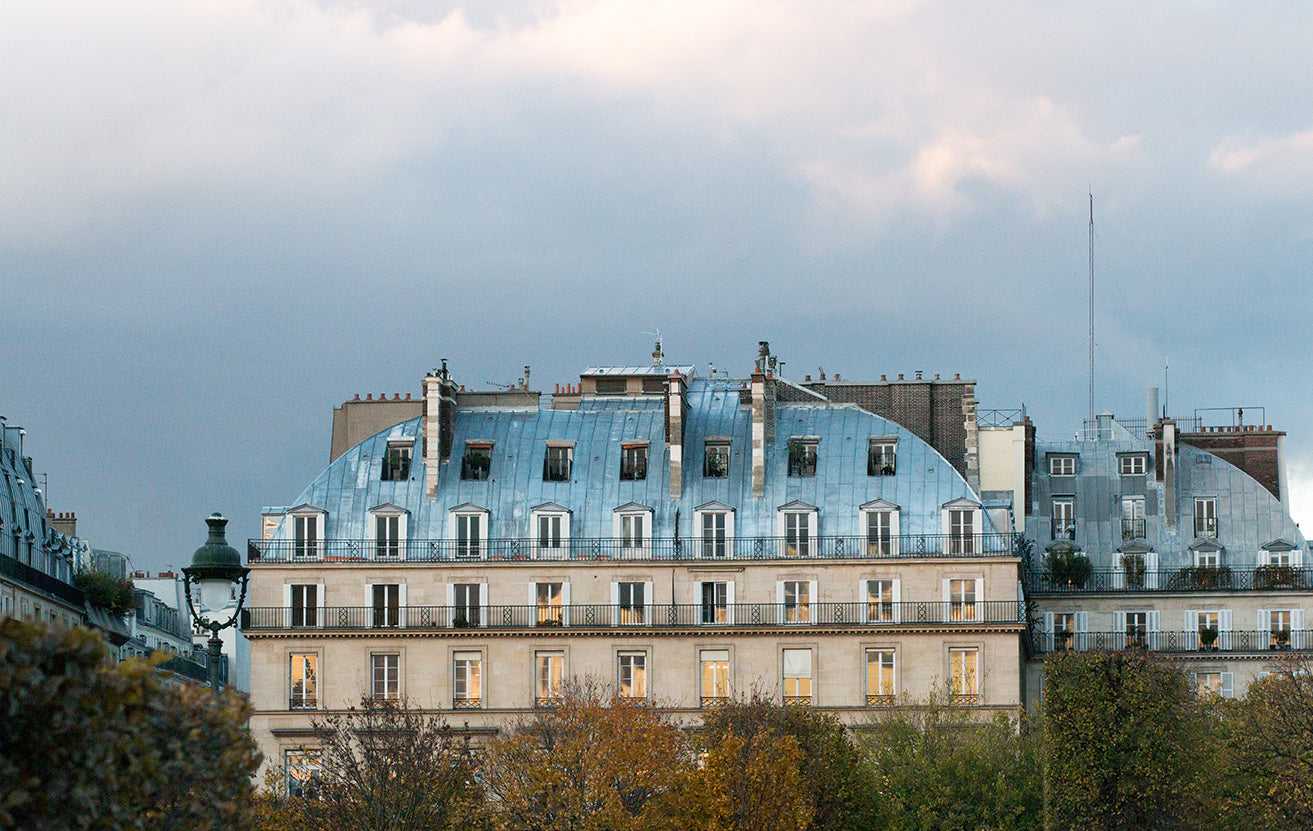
(937, 766)
(749, 782)
(88, 743)
(590, 762)
(1122, 731)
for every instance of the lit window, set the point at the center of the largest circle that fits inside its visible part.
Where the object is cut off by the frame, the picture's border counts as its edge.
(477, 462)
(1064, 630)
(556, 464)
(631, 680)
(467, 681)
(964, 676)
(796, 595)
(550, 600)
(549, 684)
(880, 601)
(802, 457)
(880, 689)
(1215, 683)
(797, 676)
(1062, 465)
(881, 457)
(303, 770)
(715, 459)
(304, 681)
(879, 533)
(386, 672)
(630, 603)
(1134, 465)
(633, 462)
(798, 533)
(715, 676)
(962, 599)
(396, 463)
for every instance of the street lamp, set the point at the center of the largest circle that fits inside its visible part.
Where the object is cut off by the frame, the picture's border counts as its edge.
(216, 568)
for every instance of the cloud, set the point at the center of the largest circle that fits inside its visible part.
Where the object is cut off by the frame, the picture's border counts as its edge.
(1281, 165)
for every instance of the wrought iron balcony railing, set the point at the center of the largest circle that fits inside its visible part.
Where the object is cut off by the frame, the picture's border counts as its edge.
(37, 579)
(1188, 579)
(1174, 641)
(723, 548)
(605, 616)
(466, 703)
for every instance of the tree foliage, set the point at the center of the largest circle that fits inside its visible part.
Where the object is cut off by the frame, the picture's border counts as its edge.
(107, 592)
(1122, 734)
(748, 782)
(90, 744)
(937, 767)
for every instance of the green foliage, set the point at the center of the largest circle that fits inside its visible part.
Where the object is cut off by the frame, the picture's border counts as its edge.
(105, 591)
(1069, 568)
(937, 767)
(1123, 731)
(89, 744)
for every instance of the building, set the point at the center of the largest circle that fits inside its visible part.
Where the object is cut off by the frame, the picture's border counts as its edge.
(166, 589)
(680, 538)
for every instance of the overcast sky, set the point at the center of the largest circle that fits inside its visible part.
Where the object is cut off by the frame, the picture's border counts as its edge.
(220, 218)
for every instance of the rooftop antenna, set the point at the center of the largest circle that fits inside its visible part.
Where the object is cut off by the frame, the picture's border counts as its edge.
(1091, 421)
(1165, 388)
(657, 355)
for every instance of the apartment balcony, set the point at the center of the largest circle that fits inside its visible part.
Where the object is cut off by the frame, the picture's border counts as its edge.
(1265, 641)
(907, 546)
(1188, 579)
(651, 616)
(37, 579)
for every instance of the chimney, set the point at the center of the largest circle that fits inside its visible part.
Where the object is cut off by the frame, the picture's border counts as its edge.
(1168, 445)
(676, 406)
(763, 428)
(439, 401)
(1150, 410)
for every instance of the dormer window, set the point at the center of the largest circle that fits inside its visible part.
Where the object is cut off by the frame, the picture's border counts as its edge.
(610, 386)
(633, 462)
(476, 465)
(881, 457)
(1134, 464)
(654, 385)
(1062, 465)
(557, 462)
(1205, 516)
(715, 459)
(396, 463)
(803, 456)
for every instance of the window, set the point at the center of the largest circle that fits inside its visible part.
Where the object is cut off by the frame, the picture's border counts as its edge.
(633, 531)
(631, 675)
(467, 681)
(881, 595)
(549, 678)
(962, 596)
(1205, 516)
(302, 768)
(964, 685)
(880, 688)
(1209, 625)
(556, 464)
(798, 533)
(630, 603)
(396, 463)
(716, 602)
(386, 673)
(387, 604)
(1207, 557)
(1064, 631)
(304, 686)
(387, 535)
(1278, 557)
(1062, 465)
(654, 385)
(802, 457)
(961, 532)
(1133, 465)
(795, 597)
(633, 462)
(465, 604)
(551, 524)
(469, 535)
(715, 676)
(1133, 518)
(305, 538)
(880, 533)
(1282, 628)
(797, 676)
(713, 532)
(611, 386)
(550, 602)
(476, 464)
(715, 459)
(305, 605)
(881, 457)
(1136, 629)
(1064, 518)
(1215, 683)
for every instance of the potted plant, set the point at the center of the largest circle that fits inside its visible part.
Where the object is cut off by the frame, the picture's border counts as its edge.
(1133, 566)
(1280, 639)
(1070, 569)
(1277, 577)
(1208, 637)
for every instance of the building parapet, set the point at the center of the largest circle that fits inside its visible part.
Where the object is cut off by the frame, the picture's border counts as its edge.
(1188, 579)
(1253, 641)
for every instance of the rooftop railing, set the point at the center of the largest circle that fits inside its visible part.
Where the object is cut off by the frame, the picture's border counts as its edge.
(38, 579)
(1188, 579)
(608, 616)
(1176, 641)
(729, 548)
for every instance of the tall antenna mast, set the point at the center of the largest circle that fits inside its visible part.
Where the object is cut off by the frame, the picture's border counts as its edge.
(1091, 421)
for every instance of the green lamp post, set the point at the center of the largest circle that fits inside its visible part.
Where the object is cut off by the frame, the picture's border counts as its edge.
(216, 570)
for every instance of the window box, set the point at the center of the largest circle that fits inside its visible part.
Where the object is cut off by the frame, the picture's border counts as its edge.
(1069, 568)
(1205, 578)
(1278, 577)
(1208, 638)
(1133, 566)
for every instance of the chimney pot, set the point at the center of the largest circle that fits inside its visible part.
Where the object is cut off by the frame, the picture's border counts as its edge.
(936, 376)
(900, 376)
(836, 376)
(369, 396)
(884, 378)
(806, 378)
(957, 376)
(918, 375)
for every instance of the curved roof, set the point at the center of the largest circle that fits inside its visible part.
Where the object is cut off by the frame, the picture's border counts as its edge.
(599, 428)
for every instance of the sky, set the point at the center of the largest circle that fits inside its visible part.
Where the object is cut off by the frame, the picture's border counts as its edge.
(219, 219)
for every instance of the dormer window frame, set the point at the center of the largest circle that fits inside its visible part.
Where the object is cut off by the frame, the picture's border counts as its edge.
(880, 528)
(803, 456)
(1062, 464)
(549, 529)
(558, 461)
(713, 528)
(963, 526)
(386, 533)
(398, 458)
(797, 526)
(305, 529)
(632, 527)
(476, 462)
(882, 456)
(467, 529)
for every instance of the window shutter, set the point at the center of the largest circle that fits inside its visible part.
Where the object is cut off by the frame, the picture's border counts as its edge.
(287, 605)
(1119, 635)
(1297, 558)
(451, 604)
(649, 603)
(1082, 627)
(1118, 572)
(320, 601)
(1191, 623)
(1228, 685)
(615, 603)
(369, 603)
(863, 602)
(401, 602)
(729, 601)
(1224, 628)
(565, 602)
(1264, 557)
(947, 592)
(1155, 624)
(1048, 631)
(483, 604)
(813, 601)
(779, 599)
(1151, 570)
(980, 599)
(898, 598)
(1297, 639)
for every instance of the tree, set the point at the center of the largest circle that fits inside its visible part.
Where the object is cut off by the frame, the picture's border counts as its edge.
(383, 766)
(829, 763)
(938, 767)
(1123, 731)
(107, 592)
(90, 744)
(589, 762)
(747, 782)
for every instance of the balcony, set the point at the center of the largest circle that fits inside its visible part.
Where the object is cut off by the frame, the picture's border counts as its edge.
(1175, 642)
(907, 546)
(657, 616)
(1062, 529)
(1188, 579)
(37, 579)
